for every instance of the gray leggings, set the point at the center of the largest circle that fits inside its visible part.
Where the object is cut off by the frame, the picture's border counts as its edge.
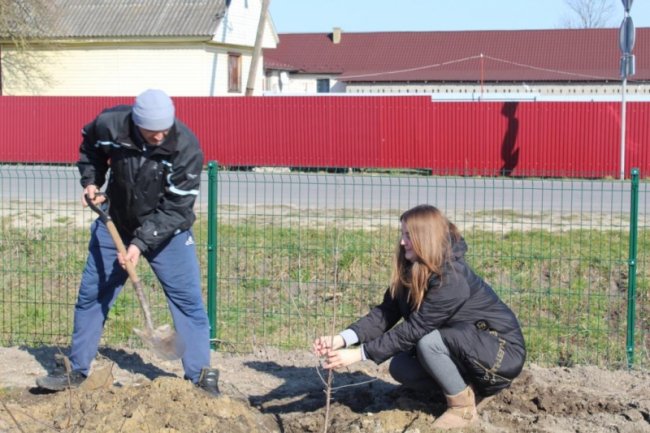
(428, 367)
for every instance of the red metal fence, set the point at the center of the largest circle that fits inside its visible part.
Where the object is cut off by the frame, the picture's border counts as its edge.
(519, 138)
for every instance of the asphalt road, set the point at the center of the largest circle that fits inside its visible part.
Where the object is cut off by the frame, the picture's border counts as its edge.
(357, 191)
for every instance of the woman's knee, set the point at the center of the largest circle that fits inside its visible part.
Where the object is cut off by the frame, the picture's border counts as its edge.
(403, 367)
(395, 368)
(431, 343)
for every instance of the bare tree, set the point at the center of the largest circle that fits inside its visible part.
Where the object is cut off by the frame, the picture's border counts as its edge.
(21, 22)
(589, 14)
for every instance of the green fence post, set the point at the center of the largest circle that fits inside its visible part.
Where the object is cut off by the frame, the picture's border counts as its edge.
(631, 289)
(212, 252)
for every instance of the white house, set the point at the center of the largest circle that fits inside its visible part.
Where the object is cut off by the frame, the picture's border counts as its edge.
(115, 48)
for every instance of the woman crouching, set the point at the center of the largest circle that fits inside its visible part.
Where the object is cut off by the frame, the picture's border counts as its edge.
(456, 334)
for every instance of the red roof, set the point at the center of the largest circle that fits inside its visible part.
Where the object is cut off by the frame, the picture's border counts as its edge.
(511, 55)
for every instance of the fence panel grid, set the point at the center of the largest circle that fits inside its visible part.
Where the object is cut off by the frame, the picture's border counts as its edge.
(299, 253)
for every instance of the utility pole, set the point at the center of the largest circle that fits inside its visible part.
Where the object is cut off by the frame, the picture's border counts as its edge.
(257, 50)
(626, 43)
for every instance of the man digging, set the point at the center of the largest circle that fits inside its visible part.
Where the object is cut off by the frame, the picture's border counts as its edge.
(155, 172)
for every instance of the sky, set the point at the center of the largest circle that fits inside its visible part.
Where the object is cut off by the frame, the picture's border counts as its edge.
(320, 16)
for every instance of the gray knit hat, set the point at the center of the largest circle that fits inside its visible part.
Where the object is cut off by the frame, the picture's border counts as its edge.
(153, 110)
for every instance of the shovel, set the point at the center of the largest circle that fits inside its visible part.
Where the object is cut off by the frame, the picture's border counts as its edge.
(162, 340)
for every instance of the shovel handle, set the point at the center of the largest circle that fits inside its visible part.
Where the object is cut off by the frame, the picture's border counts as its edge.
(103, 214)
(130, 269)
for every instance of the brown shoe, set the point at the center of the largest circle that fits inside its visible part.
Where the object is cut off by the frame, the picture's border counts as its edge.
(461, 411)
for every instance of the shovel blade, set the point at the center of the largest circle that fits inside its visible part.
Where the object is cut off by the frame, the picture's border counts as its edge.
(162, 341)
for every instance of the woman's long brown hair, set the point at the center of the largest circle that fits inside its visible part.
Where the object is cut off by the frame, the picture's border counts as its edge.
(431, 235)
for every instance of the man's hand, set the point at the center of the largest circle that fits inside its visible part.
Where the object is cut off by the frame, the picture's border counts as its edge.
(132, 255)
(324, 344)
(91, 191)
(342, 358)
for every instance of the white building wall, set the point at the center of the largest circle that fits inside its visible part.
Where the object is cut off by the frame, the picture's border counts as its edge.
(301, 84)
(239, 26)
(181, 70)
(284, 83)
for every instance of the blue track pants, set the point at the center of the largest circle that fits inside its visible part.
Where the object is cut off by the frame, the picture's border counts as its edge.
(176, 266)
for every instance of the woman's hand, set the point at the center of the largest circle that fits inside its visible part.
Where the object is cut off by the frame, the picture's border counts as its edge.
(342, 358)
(324, 344)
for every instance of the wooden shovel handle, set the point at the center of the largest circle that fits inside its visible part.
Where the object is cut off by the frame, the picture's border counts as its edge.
(130, 269)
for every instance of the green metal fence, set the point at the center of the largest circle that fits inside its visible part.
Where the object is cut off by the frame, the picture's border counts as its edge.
(289, 255)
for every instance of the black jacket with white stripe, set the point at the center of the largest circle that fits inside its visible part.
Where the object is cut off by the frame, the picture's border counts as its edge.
(152, 189)
(481, 332)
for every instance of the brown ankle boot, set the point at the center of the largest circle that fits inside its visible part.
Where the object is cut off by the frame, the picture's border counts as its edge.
(461, 411)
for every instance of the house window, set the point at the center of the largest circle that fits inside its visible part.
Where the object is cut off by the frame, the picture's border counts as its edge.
(323, 85)
(234, 72)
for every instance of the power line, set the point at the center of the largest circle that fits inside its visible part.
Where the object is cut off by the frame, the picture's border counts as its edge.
(475, 57)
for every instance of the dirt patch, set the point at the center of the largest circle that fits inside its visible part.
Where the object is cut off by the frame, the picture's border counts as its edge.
(276, 391)
(31, 217)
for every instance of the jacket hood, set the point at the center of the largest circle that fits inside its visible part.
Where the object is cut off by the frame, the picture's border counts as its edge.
(458, 249)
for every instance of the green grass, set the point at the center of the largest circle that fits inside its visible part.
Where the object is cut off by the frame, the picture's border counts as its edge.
(282, 286)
